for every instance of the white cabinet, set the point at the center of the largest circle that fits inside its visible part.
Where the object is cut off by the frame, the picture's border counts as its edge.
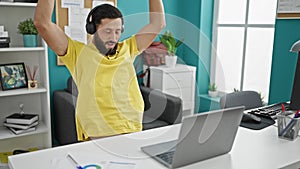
(178, 81)
(34, 100)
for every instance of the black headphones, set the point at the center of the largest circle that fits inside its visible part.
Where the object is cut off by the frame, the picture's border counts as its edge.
(90, 24)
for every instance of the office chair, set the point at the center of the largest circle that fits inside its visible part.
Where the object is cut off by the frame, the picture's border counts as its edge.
(249, 99)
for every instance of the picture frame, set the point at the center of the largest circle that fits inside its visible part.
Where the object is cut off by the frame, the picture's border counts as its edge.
(13, 76)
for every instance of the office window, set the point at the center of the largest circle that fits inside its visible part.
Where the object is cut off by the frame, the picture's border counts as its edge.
(243, 34)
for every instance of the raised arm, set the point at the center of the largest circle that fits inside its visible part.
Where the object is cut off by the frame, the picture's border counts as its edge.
(51, 33)
(157, 22)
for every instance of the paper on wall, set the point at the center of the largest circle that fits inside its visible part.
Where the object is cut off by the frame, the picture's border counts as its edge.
(100, 2)
(76, 33)
(77, 17)
(72, 3)
(76, 29)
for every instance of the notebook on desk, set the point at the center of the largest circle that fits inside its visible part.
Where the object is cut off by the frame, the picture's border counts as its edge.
(201, 136)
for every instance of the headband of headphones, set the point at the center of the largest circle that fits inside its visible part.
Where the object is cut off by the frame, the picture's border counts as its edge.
(90, 24)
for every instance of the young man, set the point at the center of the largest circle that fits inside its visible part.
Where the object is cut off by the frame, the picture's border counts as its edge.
(109, 101)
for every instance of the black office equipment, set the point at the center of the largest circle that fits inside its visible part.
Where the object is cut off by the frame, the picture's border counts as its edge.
(252, 102)
(269, 110)
(274, 109)
(20, 151)
(4, 42)
(295, 97)
(251, 118)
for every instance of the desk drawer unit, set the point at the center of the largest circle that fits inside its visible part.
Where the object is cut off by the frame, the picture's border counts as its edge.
(178, 81)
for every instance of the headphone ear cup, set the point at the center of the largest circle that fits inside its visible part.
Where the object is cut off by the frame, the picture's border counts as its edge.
(122, 30)
(90, 28)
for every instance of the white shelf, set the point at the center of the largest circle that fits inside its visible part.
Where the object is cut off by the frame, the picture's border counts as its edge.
(5, 133)
(18, 4)
(177, 68)
(22, 91)
(36, 100)
(21, 49)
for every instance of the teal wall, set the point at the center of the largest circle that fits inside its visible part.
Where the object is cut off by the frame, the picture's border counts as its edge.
(199, 13)
(287, 31)
(197, 51)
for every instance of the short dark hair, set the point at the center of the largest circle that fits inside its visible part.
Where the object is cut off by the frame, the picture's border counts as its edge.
(105, 11)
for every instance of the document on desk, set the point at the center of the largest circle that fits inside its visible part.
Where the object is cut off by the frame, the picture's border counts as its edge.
(119, 165)
(88, 160)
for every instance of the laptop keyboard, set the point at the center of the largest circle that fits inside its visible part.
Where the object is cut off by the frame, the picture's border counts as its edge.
(167, 156)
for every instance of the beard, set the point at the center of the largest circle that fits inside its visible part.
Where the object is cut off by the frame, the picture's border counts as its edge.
(100, 45)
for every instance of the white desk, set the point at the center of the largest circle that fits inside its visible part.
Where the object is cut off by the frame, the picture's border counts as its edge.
(251, 150)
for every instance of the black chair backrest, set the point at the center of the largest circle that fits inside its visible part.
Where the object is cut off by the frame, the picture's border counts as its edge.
(249, 99)
(71, 87)
(159, 105)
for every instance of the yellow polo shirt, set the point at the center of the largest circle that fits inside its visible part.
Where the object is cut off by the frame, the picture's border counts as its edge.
(109, 100)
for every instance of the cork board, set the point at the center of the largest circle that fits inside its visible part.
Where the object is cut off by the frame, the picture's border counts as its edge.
(288, 15)
(62, 16)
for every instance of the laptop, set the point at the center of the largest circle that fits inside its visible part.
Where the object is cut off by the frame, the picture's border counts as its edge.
(202, 136)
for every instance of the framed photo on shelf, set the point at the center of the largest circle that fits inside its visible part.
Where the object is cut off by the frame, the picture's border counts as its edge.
(13, 76)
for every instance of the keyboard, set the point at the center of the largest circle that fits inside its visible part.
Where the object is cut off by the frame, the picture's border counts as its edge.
(167, 156)
(269, 110)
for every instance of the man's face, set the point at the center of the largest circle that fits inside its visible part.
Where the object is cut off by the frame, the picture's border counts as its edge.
(108, 34)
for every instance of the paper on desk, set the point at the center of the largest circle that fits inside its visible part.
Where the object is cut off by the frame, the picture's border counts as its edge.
(119, 165)
(87, 158)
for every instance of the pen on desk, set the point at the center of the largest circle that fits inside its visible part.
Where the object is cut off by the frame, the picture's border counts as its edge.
(74, 162)
(297, 114)
(282, 108)
(288, 127)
